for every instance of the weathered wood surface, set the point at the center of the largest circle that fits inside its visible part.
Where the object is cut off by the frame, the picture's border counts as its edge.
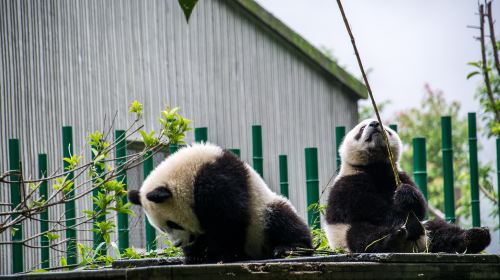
(351, 266)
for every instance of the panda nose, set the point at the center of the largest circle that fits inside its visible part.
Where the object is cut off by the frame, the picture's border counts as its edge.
(374, 124)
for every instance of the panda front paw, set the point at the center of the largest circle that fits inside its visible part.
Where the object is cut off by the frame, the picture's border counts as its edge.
(407, 198)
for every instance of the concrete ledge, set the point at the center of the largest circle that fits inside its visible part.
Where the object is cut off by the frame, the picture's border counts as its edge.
(344, 266)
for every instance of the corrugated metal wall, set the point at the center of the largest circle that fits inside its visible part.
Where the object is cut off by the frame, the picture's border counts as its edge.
(74, 62)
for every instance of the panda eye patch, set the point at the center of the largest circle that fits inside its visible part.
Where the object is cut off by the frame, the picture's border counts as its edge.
(360, 132)
(158, 195)
(173, 225)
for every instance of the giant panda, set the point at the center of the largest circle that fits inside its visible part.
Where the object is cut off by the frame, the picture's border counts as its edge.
(218, 209)
(366, 212)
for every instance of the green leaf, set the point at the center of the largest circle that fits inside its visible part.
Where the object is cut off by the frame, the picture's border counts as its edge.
(472, 74)
(52, 236)
(131, 253)
(136, 107)
(63, 261)
(187, 7)
(475, 64)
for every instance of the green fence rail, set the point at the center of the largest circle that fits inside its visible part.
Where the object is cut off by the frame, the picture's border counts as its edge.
(339, 136)
(235, 151)
(420, 165)
(97, 237)
(201, 134)
(150, 230)
(283, 166)
(258, 159)
(121, 158)
(447, 151)
(44, 215)
(312, 186)
(474, 171)
(70, 210)
(498, 175)
(15, 200)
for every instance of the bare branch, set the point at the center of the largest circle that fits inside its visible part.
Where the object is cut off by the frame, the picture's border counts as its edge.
(484, 64)
(492, 37)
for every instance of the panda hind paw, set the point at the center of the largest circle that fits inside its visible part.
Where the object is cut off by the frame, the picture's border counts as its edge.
(477, 239)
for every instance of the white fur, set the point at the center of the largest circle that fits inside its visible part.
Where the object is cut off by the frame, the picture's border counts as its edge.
(337, 235)
(360, 152)
(260, 197)
(177, 172)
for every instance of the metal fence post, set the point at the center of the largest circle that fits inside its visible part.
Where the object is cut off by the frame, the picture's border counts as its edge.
(236, 152)
(420, 165)
(121, 154)
(258, 160)
(15, 199)
(201, 134)
(474, 172)
(394, 127)
(44, 215)
(172, 148)
(283, 165)
(339, 136)
(447, 151)
(96, 236)
(312, 185)
(67, 142)
(498, 173)
(150, 230)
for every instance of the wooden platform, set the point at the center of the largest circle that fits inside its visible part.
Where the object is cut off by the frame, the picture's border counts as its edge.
(344, 266)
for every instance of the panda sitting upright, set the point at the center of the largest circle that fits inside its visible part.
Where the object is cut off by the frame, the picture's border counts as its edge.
(366, 212)
(217, 208)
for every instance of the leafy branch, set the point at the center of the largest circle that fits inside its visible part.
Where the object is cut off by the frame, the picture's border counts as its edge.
(100, 174)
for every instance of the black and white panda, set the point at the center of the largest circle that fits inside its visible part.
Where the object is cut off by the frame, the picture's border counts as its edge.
(366, 212)
(217, 208)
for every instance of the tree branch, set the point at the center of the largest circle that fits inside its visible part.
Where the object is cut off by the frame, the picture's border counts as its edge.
(492, 37)
(484, 65)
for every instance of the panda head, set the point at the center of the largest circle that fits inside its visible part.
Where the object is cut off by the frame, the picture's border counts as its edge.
(167, 195)
(364, 145)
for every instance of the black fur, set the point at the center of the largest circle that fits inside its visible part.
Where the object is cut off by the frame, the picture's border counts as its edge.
(449, 238)
(284, 230)
(159, 195)
(134, 197)
(370, 203)
(221, 203)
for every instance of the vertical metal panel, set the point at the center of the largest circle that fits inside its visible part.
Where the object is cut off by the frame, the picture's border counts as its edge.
(74, 62)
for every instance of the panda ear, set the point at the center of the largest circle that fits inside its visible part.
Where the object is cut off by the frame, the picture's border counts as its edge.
(158, 195)
(134, 197)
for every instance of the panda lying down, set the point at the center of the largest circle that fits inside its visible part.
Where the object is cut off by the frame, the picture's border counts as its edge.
(217, 208)
(366, 212)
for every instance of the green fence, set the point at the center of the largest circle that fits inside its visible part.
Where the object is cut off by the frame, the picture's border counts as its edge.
(311, 184)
